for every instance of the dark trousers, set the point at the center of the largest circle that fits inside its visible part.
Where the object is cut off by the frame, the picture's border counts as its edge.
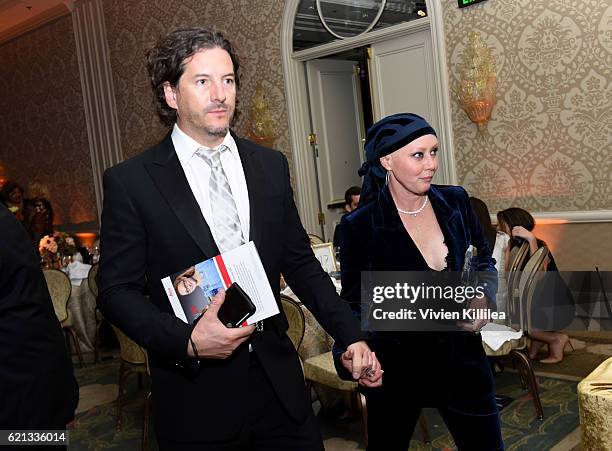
(449, 372)
(268, 426)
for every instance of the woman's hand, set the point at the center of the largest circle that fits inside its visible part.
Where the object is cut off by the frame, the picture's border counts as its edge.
(363, 364)
(477, 323)
(522, 232)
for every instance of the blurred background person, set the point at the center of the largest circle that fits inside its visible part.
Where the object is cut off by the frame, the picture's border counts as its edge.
(12, 196)
(553, 307)
(40, 222)
(351, 201)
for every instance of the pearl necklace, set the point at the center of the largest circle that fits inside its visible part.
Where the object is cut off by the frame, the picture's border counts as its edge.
(415, 212)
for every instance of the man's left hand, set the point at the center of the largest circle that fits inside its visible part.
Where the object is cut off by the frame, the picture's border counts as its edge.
(363, 364)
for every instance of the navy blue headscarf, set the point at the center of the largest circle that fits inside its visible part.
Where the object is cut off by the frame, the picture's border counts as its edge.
(386, 136)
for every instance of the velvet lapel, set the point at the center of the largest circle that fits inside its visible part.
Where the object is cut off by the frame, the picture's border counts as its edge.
(256, 183)
(389, 228)
(452, 227)
(167, 174)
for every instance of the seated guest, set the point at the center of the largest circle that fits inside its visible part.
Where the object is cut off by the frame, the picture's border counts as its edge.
(40, 222)
(498, 241)
(549, 311)
(37, 385)
(351, 201)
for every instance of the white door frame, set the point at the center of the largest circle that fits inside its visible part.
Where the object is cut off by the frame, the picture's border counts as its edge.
(296, 93)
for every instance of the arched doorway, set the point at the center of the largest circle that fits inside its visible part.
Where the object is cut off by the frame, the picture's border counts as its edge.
(392, 40)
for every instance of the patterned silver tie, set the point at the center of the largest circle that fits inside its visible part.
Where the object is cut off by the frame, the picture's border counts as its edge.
(226, 222)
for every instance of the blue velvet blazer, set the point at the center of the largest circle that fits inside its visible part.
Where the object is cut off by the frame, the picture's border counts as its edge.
(374, 239)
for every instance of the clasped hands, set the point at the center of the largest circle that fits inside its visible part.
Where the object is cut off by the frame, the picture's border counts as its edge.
(215, 341)
(363, 364)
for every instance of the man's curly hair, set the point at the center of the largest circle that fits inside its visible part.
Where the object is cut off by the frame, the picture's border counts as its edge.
(166, 62)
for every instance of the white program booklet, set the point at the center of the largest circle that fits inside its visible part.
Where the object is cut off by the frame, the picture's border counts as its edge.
(191, 290)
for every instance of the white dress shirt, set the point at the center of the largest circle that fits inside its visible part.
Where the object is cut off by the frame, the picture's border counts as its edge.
(198, 173)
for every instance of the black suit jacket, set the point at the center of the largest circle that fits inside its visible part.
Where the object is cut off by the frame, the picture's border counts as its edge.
(37, 385)
(152, 226)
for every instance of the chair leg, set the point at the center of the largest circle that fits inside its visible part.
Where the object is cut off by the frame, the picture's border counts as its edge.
(77, 347)
(145, 426)
(518, 365)
(97, 343)
(424, 428)
(361, 403)
(526, 370)
(123, 373)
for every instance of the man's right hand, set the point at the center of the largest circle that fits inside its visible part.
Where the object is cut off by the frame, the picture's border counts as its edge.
(212, 339)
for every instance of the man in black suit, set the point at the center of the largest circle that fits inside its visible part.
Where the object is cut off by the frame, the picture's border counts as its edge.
(162, 214)
(37, 385)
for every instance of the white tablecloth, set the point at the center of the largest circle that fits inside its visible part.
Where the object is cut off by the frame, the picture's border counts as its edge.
(82, 305)
(495, 335)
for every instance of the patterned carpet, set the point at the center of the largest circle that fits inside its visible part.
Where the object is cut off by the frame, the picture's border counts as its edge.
(96, 416)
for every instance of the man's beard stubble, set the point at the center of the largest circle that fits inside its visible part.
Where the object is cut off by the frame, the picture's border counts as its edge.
(219, 131)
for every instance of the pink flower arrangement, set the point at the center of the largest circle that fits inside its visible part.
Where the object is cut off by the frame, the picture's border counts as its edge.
(53, 247)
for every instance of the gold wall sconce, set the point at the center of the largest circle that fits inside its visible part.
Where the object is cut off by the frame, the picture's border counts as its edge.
(260, 122)
(477, 88)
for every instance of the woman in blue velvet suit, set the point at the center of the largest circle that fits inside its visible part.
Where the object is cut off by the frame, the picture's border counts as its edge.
(405, 223)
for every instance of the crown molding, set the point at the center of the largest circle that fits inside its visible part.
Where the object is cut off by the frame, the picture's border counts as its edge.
(48, 15)
(568, 217)
(561, 217)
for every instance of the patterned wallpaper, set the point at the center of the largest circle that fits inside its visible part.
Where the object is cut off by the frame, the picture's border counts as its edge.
(579, 246)
(548, 146)
(134, 26)
(42, 124)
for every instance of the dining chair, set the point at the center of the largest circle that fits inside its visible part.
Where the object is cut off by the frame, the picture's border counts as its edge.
(92, 281)
(296, 320)
(133, 360)
(315, 239)
(320, 369)
(520, 306)
(60, 288)
(518, 257)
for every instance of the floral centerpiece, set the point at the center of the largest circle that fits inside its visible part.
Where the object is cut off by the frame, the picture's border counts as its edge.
(53, 249)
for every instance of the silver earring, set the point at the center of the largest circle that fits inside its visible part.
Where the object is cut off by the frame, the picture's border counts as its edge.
(387, 178)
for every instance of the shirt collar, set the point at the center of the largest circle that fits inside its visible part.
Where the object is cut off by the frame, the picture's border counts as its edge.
(186, 146)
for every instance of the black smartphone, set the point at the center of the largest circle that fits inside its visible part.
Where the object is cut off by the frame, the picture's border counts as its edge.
(237, 307)
(518, 240)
